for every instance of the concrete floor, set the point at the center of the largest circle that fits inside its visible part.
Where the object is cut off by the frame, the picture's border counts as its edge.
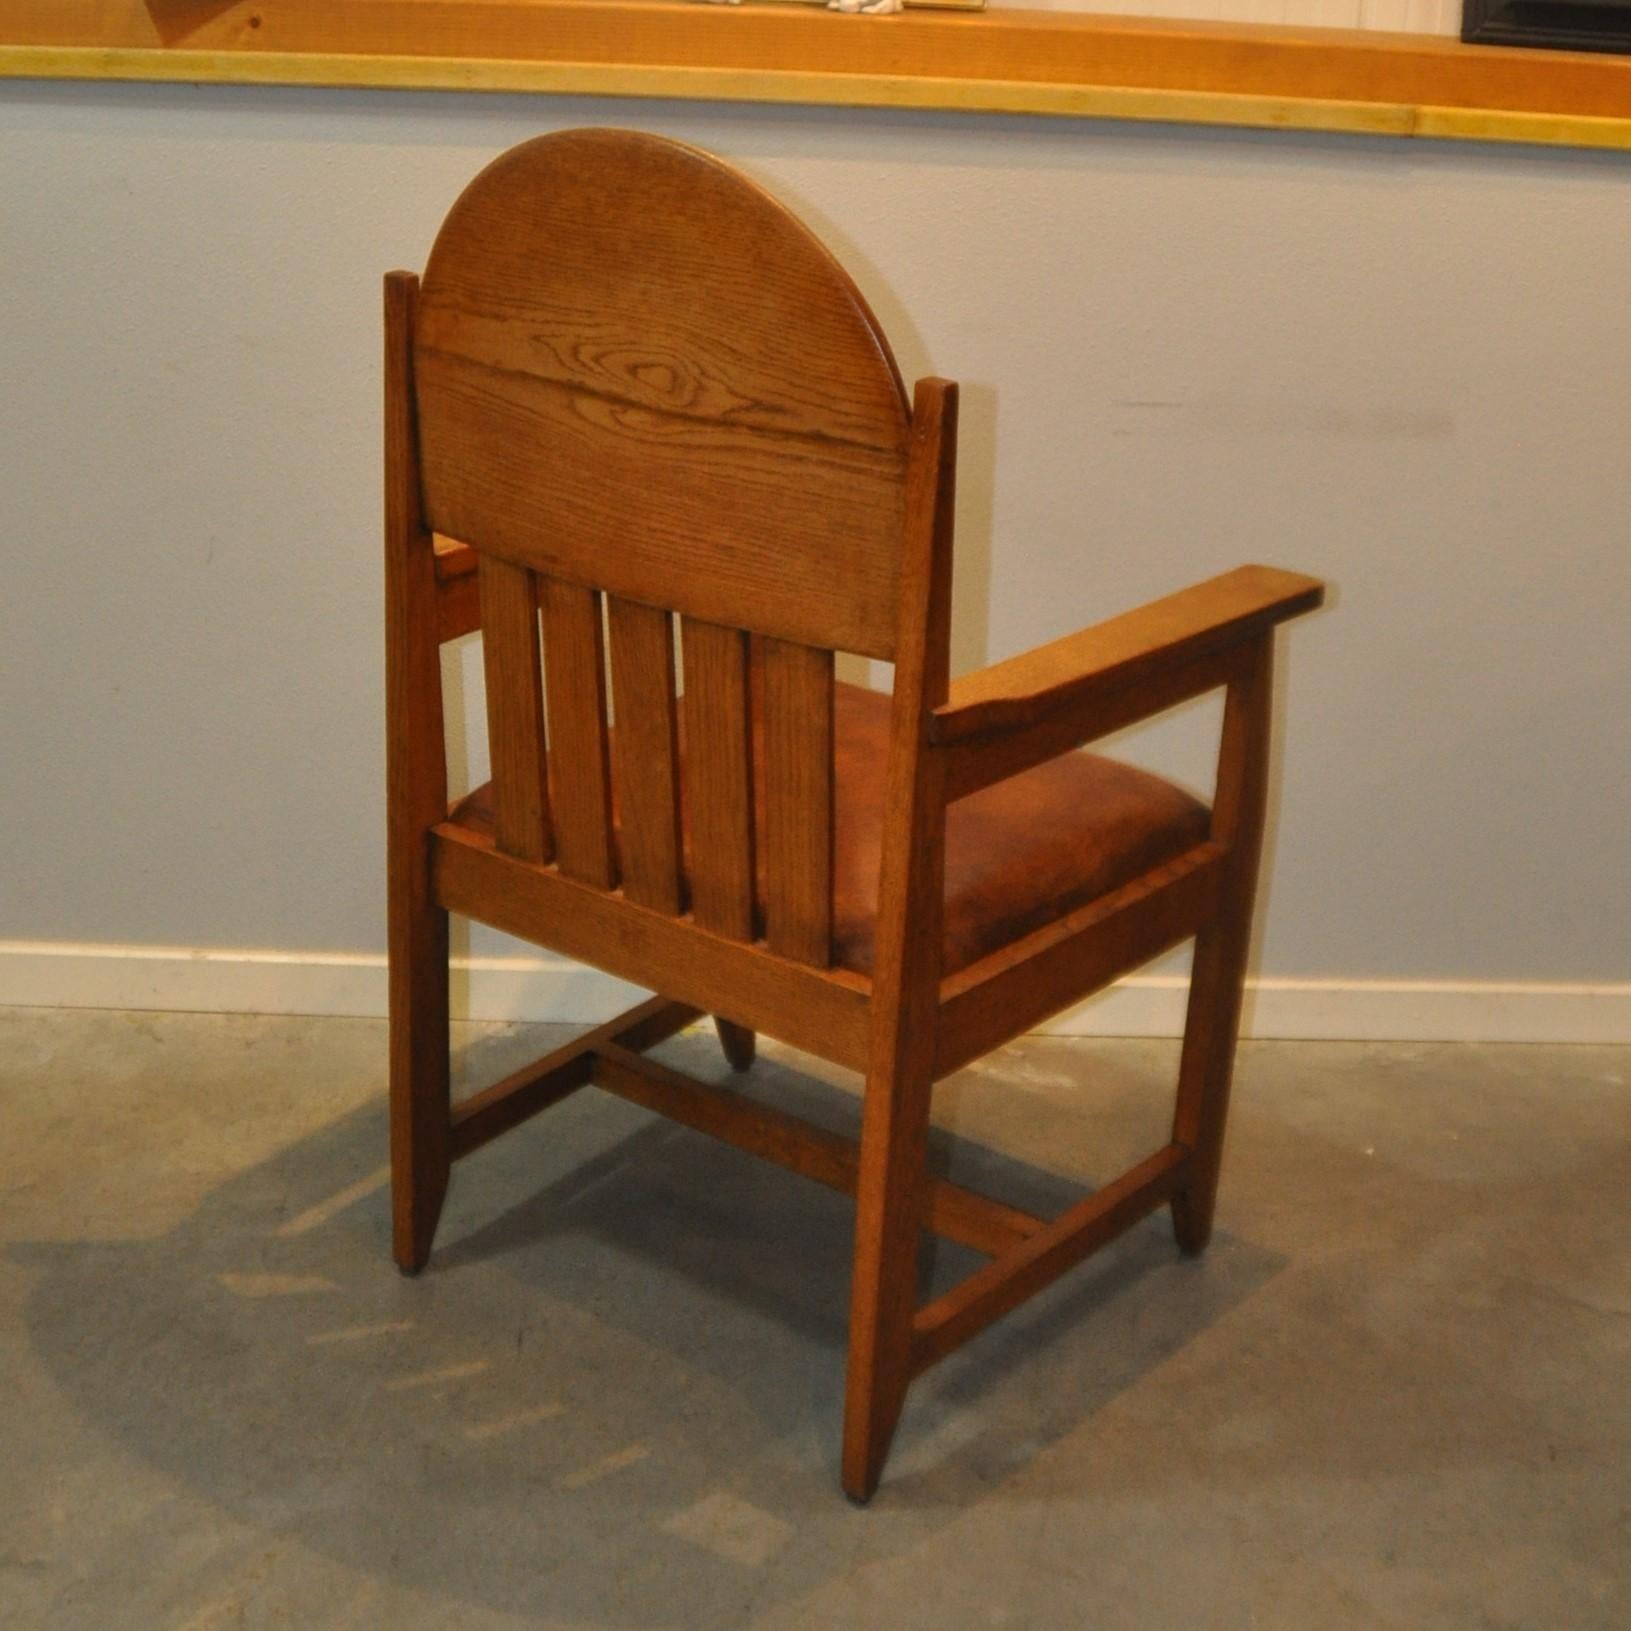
(1395, 1393)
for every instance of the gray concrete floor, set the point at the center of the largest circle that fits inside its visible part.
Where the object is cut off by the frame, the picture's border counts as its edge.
(1396, 1392)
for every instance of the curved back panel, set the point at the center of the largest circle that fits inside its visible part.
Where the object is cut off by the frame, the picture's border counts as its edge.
(636, 372)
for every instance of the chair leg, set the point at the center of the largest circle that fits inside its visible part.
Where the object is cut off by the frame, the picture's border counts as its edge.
(1218, 981)
(420, 1087)
(1211, 1028)
(737, 1042)
(889, 1213)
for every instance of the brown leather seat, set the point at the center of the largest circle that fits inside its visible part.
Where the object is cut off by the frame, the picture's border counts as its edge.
(1018, 854)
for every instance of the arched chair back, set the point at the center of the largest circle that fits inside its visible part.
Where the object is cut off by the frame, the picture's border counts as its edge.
(643, 389)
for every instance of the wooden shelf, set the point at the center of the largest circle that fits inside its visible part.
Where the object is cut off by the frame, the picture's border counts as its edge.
(1001, 61)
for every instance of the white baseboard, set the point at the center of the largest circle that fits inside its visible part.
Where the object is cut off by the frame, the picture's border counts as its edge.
(198, 980)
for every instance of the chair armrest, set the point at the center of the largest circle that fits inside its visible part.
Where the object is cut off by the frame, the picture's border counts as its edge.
(1116, 656)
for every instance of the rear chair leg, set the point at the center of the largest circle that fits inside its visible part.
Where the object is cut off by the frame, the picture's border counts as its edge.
(419, 1073)
(737, 1042)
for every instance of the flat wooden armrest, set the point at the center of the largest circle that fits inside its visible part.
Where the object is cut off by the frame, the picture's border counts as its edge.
(1120, 654)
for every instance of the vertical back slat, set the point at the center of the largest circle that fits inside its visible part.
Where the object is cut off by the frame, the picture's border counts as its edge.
(515, 713)
(575, 672)
(647, 753)
(798, 796)
(719, 776)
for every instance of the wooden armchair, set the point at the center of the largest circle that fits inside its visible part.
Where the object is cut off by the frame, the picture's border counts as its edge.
(637, 392)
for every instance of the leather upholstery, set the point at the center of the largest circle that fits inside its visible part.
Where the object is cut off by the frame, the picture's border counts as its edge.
(1018, 854)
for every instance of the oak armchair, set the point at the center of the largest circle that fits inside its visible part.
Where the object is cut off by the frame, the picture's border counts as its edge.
(631, 393)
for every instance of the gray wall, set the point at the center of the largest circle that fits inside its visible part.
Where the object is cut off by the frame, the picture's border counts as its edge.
(1404, 366)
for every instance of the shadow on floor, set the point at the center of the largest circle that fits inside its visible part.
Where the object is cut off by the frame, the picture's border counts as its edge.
(618, 1387)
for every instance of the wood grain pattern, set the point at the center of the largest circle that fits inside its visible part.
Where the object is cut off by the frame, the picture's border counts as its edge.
(647, 753)
(1133, 649)
(515, 710)
(575, 691)
(606, 393)
(798, 814)
(1010, 60)
(824, 1011)
(719, 777)
(978, 761)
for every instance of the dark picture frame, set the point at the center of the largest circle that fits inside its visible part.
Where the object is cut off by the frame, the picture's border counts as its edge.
(1563, 25)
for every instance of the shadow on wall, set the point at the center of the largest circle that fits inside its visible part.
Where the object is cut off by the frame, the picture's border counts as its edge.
(621, 1388)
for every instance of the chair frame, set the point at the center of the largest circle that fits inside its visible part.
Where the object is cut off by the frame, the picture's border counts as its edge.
(908, 1025)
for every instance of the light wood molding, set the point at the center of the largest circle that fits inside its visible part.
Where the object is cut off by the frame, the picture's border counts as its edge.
(1002, 61)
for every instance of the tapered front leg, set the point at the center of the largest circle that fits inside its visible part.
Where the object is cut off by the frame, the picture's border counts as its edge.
(890, 1198)
(1217, 984)
(1204, 1076)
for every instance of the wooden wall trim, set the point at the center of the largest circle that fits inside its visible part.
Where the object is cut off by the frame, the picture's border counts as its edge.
(1002, 61)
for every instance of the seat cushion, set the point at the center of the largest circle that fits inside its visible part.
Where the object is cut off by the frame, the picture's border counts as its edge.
(1018, 854)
